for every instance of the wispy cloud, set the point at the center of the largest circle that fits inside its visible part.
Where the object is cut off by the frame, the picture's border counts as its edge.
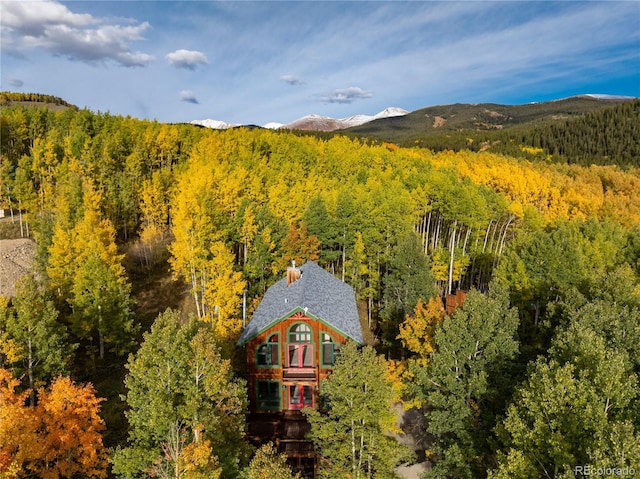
(291, 80)
(15, 82)
(189, 97)
(288, 59)
(346, 95)
(187, 59)
(53, 27)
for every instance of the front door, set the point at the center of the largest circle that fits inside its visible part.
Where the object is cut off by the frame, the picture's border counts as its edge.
(300, 396)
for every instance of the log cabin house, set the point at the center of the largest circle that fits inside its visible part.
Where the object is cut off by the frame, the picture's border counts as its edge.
(291, 344)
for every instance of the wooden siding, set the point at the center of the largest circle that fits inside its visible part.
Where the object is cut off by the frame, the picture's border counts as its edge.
(276, 373)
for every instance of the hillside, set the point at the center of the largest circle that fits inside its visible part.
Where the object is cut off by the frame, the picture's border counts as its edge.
(435, 120)
(586, 129)
(549, 130)
(51, 102)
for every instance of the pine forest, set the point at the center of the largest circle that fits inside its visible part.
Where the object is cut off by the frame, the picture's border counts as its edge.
(154, 244)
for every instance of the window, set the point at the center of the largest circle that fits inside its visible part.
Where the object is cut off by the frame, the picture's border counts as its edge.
(268, 353)
(300, 333)
(330, 350)
(300, 355)
(300, 396)
(268, 394)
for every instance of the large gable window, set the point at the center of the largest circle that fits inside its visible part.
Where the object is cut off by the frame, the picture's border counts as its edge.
(330, 350)
(299, 351)
(300, 333)
(268, 353)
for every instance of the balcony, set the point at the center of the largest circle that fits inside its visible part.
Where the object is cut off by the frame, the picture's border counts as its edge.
(300, 362)
(295, 373)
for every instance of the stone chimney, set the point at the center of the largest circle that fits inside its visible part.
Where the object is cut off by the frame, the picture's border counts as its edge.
(293, 273)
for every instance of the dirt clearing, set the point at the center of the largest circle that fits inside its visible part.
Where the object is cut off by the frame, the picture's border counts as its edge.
(16, 259)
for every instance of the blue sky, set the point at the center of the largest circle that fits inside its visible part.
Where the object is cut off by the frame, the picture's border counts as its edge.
(256, 62)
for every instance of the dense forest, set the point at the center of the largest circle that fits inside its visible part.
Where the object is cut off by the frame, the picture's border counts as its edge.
(575, 130)
(147, 235)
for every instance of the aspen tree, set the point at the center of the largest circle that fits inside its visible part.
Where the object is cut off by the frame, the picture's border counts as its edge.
(182, 395)
(85, 270)
(352, 436)
(32, 326)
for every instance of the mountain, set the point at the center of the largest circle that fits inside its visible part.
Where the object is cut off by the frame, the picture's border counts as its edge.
(325, 123)
(589, 129)
(313, 122)
(447, 120)
(214, 124)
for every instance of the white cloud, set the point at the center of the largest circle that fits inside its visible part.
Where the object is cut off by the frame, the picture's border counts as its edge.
(188, 59)
(189, 97)
(291, 80)
(53, 27)
(346, 95)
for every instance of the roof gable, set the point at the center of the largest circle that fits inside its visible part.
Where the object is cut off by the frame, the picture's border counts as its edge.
(317, 293)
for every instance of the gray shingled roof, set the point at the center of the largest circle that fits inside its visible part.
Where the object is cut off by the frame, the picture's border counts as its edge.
(323, 295)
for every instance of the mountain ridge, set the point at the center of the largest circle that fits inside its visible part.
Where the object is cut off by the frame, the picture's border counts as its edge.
(459, 117)
(312, 122)
(443, 117)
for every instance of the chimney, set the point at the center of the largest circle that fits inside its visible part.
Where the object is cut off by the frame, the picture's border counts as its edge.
(293, 273)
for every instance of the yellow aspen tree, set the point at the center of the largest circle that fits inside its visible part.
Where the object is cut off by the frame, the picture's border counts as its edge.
(100, 288)
(62, 261)
(155, 198)
(207, 202)
(86, 270)
(223, 289)
(191, 230)
(418, 329)
(248, 231)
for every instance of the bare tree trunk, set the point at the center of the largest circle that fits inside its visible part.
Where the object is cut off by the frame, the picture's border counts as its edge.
(20, 216)
(486, 236)
(30, 362)
(504, 235)
(452, 249)
(437, 233)
(100, 335)
(344, 253)
(466, 239)
(194, 286)
(493, 235)
(426, 235)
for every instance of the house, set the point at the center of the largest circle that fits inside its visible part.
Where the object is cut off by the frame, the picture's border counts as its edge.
(291, 344)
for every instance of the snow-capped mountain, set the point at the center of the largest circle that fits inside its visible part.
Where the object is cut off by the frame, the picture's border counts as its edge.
(313, 122)
(325, 123)
(600, 96)
(214, 124)
(272, 125)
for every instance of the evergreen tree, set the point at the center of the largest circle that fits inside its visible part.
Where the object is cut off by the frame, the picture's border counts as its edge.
(319, 223)
(409, 280)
